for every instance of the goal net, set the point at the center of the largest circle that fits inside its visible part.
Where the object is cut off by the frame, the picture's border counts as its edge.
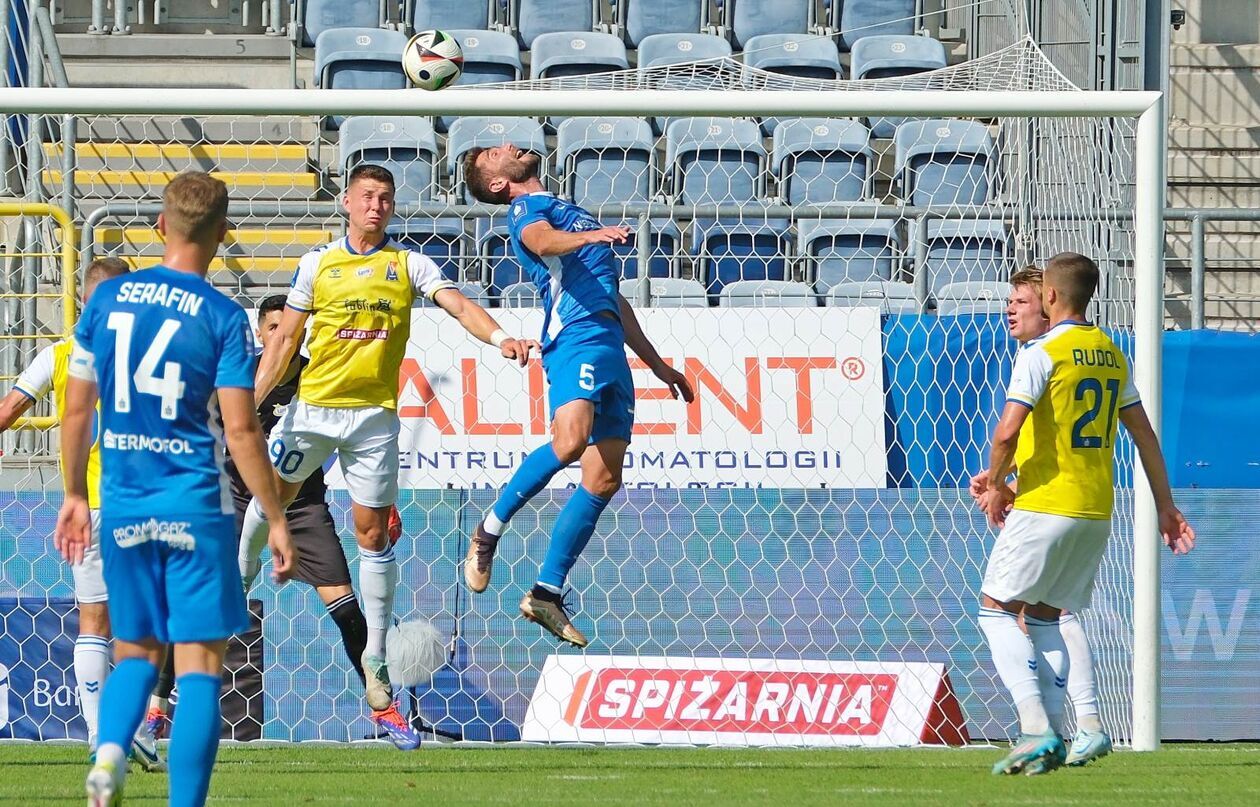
(795, 558)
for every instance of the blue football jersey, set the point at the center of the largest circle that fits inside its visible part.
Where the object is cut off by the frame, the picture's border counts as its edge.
(573, 287)
(162, 343)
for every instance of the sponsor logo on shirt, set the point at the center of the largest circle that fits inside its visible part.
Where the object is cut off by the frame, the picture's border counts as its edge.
(174, 533)
(120, 441)
(359, 304)
(363, 333)
(363, 271)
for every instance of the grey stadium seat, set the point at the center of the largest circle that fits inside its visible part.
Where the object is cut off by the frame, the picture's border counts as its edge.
(325, 15)
(943, 162)
(822, 160)
(979, 297)
(876, 57)
(848, 250)
(767, 294)
(407, 146)
(668, 292)
(605, 160)
(446, 15)
(749, 18)
(856, 19)
(714, 160)
(359, 59)
(963, 250)
(532, 18)
(644, 18)
(489, 57)
(889, 297)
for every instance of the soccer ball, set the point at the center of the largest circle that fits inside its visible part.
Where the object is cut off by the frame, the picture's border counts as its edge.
(433, 60)
(414, 651)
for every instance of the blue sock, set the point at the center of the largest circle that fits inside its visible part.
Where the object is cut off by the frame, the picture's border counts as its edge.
(194, 739)
(124, 700)
(573, 531)
(533, 475)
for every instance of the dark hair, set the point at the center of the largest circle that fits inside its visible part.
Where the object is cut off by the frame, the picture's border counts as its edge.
(369, 171)
(1074, 276)
(103, 269)
(275, 302)
(478, 180)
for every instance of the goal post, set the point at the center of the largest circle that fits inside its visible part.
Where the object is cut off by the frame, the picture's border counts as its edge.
(751, 93)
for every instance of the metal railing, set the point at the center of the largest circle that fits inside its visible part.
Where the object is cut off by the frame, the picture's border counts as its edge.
(1198, 217)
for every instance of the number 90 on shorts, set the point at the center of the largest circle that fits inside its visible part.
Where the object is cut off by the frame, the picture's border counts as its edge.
(287, 462)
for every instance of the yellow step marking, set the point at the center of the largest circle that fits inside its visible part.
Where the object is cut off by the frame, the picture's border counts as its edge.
(154, 179)
(182, 151)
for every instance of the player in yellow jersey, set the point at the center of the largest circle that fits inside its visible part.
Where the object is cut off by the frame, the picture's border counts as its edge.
(1069, 390)
(358, 293)
(48, 373)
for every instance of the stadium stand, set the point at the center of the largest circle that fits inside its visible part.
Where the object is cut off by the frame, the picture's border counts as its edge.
(520, 295)
(798, 55)
(668, 292)
(443, 239)
(855, 19)
(943, 162)
(499, 268)
(962, 251)
(359, 59)
(473, 291)
(407, 146)
(729, 251)
(471, 131)
(714, 160)
(848, 251)
(972, 298)
(892, 56)
(532, 18)
(663, 49)
(767, 294)
(451, 15)
(666, 239)
(327, 15)
(750, 18)
(644, 18)
(605, 160)
(891, 297)
(576, 53)
(822, 160)
(489, 57)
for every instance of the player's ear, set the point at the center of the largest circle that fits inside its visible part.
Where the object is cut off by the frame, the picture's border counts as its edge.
(161, 224)
(223, 231)
(497, 185)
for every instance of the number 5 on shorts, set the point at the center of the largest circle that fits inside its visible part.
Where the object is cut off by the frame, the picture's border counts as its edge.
(287, 462)
(586, 376)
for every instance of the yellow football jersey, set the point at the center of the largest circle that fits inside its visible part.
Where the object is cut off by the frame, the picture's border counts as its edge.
(1075, 380)
(360, 307)
(49, 371)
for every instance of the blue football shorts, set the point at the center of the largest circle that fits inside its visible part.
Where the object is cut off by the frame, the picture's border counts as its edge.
(587, 361)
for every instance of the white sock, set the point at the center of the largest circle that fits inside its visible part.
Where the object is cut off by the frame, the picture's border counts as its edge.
(1081, 688)
(378, 577)
(1052, 667)
(493, 525)
(91, 666)
(1016, 666)
(112, 753)
(254, 529)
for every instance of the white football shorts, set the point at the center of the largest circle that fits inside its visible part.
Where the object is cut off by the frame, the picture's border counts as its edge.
(364, 438)
(1045, 558)
(89, 574)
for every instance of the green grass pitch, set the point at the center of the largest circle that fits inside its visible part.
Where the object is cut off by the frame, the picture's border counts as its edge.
(297, 775)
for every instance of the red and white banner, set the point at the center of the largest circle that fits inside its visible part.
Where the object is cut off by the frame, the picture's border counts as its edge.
(729, 701)
(785, 398)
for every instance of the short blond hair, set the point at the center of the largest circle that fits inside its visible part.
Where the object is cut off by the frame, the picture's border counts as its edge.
(194, 205)
(1029, 276)
(102, 269)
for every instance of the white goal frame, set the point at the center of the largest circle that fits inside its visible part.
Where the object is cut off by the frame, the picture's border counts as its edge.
(1149, 177)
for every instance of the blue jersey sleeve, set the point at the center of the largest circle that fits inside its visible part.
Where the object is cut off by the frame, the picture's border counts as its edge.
(236, 352)
(528, 209)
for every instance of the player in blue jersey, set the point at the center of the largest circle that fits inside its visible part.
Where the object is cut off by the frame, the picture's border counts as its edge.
(586, 328)
(173, 362)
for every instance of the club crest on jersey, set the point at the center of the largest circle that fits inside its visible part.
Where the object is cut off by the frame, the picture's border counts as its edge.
(364, 271)
(391, 272)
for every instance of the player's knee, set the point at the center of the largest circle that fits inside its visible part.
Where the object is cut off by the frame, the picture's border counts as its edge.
(371, 536)
(568, 447)
(94, 619)
(604, 483)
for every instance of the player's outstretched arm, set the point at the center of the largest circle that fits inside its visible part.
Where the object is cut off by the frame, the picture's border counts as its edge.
(74, 524)
(996, 499)
(637, 341)
(245, 443)
(546, 241)
(478, 322)
(1178, 535)
(12, 407)
(278, 353)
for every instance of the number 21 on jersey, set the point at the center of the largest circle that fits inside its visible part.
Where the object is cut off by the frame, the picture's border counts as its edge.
(1091, 392)
(168, 387)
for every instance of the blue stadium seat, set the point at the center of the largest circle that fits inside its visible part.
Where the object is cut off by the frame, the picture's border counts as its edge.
(981, 297)
(668, 292)
(446, 15)
(729, 251)
(767, 294)
(644, 18)
(660, 50)
(890, 57)
(499, 267)
(576, 53)
(943, 162)
(663, 253)
(359, 59)
(489, 57)
(407, 146)
(963, 250)
(470, 132)
(473, 291)
(848, 251)
(520, 295)
(856, 19)
(890, 297)
(822, 160)
(442, 239)
(798, 55)
(750, 18)
(326, 15)
(714, 160)
(532, 18)
(605, 160)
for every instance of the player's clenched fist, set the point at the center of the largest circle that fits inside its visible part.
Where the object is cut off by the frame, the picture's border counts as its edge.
(284, 554)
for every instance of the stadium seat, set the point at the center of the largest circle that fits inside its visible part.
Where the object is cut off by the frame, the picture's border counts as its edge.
(714, 160)
(890, 297)
(605, 160)
(499, 267)
(856, 19)
(406, 146)
(822, 160)
(890, 57)
(726, 252)
(643, 18)
(959, 251)
(473, 291)
(471, 132)
(798, 55)
(667, 292)
(451, 15)
(983, 297)
(660, 50)
(520, 295)
(943, 162)
(532, 18)
(327, 15)
(848, 251)
(489, 57)
(576, 53)
(359, 59)
(442, 239)
(767, 294)
(663, 255)
(750, 18)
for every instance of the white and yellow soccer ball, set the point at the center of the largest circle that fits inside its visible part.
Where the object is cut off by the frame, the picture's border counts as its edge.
(414, 651)
(433, 60)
